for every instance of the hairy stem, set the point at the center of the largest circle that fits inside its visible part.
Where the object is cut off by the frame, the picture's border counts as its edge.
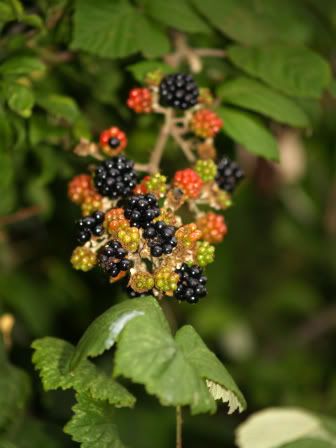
(179, 422)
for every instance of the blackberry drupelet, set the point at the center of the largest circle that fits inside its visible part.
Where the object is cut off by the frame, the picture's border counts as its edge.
(161, 238)
(229, 174)
(115, 177)
(191, 286)
(112, 258)
(178, 91)
(141, 209)
(90, 226)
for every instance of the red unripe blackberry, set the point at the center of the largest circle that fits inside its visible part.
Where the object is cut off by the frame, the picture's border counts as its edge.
(112, 259)
(229, 174)
(115, 177)
(112, 141)
(79, 187)
(115, 220)
(192, 283)
(212, 226)
(189, 181)
(178, 91)
(205, 123)
(140, 100)
(93, 202)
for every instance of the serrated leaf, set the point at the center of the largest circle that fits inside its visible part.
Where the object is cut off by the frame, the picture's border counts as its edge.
(253, 95)
(140, 69)
(59, 105)
(295, 71)
(283, 427)
(175, 14)
(93, 424)
(247, 130)
(20, 99)
(102, 334)
(21, 65)
(209, 367)
(52, 359)
(253, 22)
(151, 40)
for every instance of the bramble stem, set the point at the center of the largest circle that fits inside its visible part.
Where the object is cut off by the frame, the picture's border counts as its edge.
(179, 422)
(156, 156)
(183, 144)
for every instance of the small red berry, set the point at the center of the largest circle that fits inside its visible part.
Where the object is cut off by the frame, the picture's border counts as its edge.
(205, 123)
(140, 100)
(79, 187)
(92, 202)
(115, 220)
(113, 141)
(212, 226)
(189, 181)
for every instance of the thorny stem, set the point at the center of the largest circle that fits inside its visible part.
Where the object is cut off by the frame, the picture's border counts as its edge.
(179, 422)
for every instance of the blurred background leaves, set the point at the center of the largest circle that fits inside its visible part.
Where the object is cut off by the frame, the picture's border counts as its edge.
(65, 70)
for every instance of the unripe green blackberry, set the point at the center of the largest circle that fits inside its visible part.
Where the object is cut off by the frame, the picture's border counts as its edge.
(206, 169)
(205, 253)
(157, 184)
(129, 238)
(83, 259)
(141, 282)
(166, 280)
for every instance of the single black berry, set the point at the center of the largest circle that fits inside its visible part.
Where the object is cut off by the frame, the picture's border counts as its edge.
(161, 238)
(191, 286)
(115, 177)
(178, 91)
(141, 209)
(112, 258)
(90, 226)
(229, 174)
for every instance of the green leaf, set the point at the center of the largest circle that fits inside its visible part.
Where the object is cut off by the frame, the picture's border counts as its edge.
(102, 334)
(59, 105)
(151, 40)
(283, 427)
(176, 14)
(245, 129)
(20, 99)
(253, 95)
(295, 71)
(140, 69)
(14, 391)
(22, 65)
(93, 424)
(112, 28)
(255, 22)
(52, 358)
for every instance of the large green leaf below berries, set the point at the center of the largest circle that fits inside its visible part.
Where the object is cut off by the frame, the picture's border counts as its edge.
(247, 130)
(180, 371)
(252, 94)
(52, 358)
(296, 71)
(93, 424)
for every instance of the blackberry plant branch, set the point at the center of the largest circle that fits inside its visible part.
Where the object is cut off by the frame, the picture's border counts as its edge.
(179, 423)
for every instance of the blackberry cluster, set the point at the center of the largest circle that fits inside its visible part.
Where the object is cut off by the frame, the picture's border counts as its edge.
(178, 91)
(161, 236)
(115, 177)
(141, 209)
(90, 226)
(191, 286)
(229, 174)
(112, 258)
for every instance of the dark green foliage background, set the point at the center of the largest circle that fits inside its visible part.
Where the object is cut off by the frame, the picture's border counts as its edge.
(270, 314)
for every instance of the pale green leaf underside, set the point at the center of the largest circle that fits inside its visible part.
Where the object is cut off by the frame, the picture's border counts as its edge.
(52, 358)
(251, 94)
(284, 428)
(295, 71)
(247, 130)
(93, 424)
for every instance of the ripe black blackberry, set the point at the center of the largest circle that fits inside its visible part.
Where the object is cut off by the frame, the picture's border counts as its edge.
(90, 226)
(161, 238)
(141, 209)
(112, 258)
(115, 177)
(178, 91)
(229, 174)
(191, 286)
